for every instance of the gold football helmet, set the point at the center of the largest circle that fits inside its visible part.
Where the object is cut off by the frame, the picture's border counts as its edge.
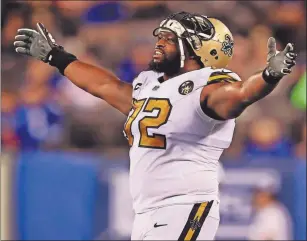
(209, 38)
(218, 51)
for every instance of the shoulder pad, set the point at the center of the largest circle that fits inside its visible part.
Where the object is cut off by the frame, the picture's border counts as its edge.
(223, 75)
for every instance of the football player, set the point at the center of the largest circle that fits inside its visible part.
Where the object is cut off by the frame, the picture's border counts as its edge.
(180, 117)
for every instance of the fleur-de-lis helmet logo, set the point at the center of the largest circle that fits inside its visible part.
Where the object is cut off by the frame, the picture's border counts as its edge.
(227, 46)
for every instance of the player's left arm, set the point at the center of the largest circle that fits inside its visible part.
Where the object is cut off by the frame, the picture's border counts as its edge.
(228, 99)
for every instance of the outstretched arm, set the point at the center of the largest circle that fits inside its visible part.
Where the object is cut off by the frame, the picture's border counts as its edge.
(95, 80)
(101, 83)
(228, 100)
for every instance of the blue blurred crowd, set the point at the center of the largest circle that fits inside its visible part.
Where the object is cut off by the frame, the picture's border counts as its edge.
(40, 109)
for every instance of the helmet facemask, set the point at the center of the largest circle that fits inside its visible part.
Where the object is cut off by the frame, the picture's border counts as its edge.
(190, 28)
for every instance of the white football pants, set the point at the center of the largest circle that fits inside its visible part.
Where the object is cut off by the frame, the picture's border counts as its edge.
(178, 222)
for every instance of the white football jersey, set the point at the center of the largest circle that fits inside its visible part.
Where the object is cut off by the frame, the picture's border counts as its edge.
(175, 147)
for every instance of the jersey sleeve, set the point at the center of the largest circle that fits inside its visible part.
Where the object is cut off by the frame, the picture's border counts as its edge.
(223, 75)
(215, 76)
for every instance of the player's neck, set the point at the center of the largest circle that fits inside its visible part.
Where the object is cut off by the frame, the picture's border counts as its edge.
(189, 65)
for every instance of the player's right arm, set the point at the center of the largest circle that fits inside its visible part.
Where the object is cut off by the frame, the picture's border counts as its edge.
(97, 81)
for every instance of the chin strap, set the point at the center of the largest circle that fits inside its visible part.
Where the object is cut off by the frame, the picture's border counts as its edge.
(182, 55)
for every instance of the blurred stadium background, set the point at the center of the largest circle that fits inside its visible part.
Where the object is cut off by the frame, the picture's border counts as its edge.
(64, 160)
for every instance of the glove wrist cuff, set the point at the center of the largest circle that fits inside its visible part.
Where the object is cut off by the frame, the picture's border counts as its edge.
(269, 78)
(60, 59)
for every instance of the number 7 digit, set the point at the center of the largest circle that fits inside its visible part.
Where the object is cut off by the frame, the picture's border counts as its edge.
(164, 108)
(136, 106)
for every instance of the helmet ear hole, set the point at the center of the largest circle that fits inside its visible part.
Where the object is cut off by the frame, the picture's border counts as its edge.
(213, 52)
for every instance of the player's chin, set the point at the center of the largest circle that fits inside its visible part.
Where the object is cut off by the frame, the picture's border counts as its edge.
(158, 59)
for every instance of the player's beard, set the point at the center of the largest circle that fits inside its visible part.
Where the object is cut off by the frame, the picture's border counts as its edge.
(169, 66)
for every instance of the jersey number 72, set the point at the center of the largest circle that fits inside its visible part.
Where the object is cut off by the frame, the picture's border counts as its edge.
(164, 108)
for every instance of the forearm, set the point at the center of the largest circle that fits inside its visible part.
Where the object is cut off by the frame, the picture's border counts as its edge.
(230, 100)
(101, 83)
(86, 76)
(254, 89)
(89, 78)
